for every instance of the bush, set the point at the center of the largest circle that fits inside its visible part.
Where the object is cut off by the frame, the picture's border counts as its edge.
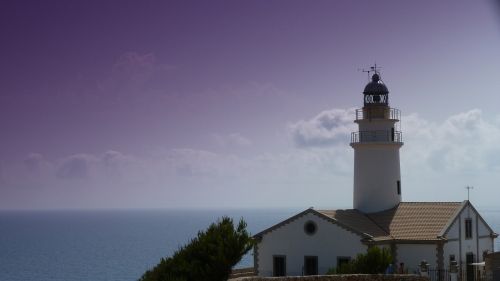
(375, 261)
(208, 257)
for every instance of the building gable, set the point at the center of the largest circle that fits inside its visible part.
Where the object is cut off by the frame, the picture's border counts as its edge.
(308, 234)
(318, 214)
(483, 225)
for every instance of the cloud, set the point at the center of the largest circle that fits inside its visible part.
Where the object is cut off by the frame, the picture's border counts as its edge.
(36, 169)
(325, 129)
(76, 167)
(231, 140)
(437, 158)
(464, 143)
(199, 164)
(35, 163)
(460, 150)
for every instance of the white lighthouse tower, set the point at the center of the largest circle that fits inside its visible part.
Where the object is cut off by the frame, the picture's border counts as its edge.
(377, 177)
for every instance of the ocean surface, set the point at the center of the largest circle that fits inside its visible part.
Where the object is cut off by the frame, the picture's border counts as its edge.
(115, 245)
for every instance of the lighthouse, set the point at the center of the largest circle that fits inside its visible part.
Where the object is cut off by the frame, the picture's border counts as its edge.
(376, 144)
(443, 234)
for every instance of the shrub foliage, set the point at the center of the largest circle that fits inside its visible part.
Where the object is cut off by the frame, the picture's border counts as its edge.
(208, 257)
(375, 261)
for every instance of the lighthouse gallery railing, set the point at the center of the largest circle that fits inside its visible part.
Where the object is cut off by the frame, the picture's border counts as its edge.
(376, 136)
(378, 113)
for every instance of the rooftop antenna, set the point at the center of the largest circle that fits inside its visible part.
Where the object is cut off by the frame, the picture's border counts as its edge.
(468, 202)
(372, 69)
(468, 191)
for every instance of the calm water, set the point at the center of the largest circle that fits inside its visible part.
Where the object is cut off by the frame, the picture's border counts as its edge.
(105, 245)
(114, 245)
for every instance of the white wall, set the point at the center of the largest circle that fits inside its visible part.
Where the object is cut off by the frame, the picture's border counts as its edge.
(485, 244)
(329, 242)
(453, 245)
(376, 172)
(450, 248)
(453, 232)
(475, 245)
(413, 254)
(483, 230)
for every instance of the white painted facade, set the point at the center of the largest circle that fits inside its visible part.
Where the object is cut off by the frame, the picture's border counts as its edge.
(459, 245)
(450, 248)
(290, 240)
(332, 241)
(412, 254)
(376, 176)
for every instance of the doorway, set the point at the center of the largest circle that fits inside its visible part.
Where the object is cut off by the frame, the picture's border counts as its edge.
(310, 265)
(279, 265)
(469, 258)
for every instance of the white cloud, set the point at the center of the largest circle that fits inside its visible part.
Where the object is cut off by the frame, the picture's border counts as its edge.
(231, 140)
(464, 142)
(437, 160)
(35, 164)
(76, 167)
(325, 129)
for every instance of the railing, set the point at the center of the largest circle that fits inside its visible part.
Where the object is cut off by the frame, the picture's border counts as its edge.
(474, 274)
(439, 275)
(378, 113)
(376, 136)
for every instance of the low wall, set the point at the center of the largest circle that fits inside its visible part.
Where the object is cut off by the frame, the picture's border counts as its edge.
(347, 277)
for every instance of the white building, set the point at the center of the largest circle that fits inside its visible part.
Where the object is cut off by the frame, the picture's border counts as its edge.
(314, 241)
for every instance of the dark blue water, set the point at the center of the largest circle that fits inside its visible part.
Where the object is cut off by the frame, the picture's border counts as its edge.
(113, 245)
(105, 245)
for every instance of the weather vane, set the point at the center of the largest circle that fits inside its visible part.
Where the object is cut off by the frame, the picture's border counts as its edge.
(373, 69)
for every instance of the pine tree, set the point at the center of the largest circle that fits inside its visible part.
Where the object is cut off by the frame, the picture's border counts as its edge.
(208, 257)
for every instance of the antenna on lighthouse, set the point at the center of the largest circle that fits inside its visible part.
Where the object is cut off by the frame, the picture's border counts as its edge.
(372, 69)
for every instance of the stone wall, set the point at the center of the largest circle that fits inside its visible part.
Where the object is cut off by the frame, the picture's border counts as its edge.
(351, 277)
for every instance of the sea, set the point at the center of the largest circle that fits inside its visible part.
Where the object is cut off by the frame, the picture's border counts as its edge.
(117, 245)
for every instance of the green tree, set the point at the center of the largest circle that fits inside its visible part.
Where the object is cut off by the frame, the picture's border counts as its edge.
(374, 261)
(208, 257)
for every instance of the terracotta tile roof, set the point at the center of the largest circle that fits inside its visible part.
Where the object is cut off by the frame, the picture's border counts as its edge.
(407, 221)
(417, 220)
(413, 221)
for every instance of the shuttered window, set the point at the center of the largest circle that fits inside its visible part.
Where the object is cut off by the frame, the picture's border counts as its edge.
(468, 228)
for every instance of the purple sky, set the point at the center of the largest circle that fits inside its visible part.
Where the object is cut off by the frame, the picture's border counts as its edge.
(138, 104)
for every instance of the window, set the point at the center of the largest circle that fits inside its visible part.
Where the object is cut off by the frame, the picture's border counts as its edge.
(452, 258)
(468, 228)
(342, 260)
(310, 227)
(279, 265)
(398, 183)
(310, 265)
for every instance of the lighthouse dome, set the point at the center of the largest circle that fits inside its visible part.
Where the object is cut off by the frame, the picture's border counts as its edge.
(375, 87)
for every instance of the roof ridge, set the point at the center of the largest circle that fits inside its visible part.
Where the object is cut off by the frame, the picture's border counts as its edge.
(329, 210)
(432, 202)
(381, 228)
(358, 213)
